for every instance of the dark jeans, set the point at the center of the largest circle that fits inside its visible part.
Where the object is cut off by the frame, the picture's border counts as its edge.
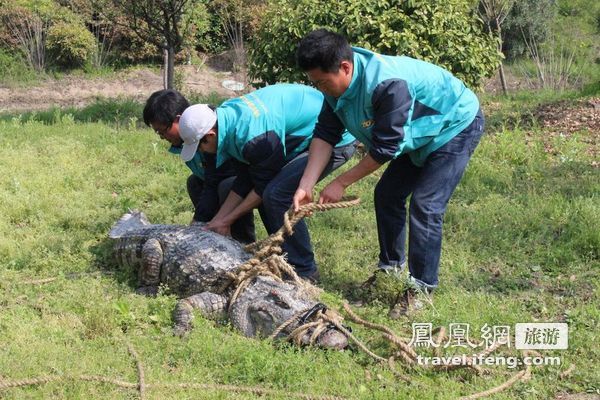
(277, 199)
(207, 201)
(431, 187)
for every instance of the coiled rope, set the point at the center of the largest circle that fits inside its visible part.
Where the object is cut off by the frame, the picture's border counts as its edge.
(268, 256)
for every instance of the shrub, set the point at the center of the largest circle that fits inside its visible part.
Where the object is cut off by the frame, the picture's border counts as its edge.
(447, 33)
(70, 45)
(530, 18)
(14, 69)
(24, 30)
(212, 37)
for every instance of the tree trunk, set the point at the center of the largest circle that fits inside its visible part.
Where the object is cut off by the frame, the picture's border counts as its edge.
(501, 70)
(170, 67)
(165, 68)
(503, 80)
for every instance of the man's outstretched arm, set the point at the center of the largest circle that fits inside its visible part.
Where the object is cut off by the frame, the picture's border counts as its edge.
(318, 156)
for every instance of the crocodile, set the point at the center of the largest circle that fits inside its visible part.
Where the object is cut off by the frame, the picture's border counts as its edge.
(194, 263)
(187, 259)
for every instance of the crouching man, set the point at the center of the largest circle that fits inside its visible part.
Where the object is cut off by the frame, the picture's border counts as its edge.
(162, 112)
(267, 133)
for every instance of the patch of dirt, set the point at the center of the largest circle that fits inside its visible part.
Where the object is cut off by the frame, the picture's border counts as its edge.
(567, 117)
(494, 86)
(138, 84)
(570, 116)
(579, 396)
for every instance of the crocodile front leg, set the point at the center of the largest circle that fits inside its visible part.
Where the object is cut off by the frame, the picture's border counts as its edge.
(211, 305)
(149, 272)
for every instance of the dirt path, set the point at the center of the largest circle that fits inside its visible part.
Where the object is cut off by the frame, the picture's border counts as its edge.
(79, 91)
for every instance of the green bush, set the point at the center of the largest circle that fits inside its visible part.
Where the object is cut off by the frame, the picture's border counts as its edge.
(447, 33)
(13, 68)
(70, 45)
(211, 38)
(532, 18)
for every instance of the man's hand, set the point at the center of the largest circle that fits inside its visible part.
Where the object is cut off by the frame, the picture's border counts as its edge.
(219, 226)
(332, 192)
(302, 196)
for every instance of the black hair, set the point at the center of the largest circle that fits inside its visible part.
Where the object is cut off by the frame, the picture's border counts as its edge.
(323, 49)
(164, 106)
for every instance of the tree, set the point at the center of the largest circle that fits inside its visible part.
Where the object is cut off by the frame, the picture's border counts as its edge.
(445, 32)
(494, 12)
(535, 18)
(164, 23)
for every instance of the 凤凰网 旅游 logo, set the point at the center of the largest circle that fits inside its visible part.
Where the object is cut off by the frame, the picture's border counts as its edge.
(542, 336)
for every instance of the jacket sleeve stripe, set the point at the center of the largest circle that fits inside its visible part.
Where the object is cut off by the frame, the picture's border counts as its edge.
(392, 102)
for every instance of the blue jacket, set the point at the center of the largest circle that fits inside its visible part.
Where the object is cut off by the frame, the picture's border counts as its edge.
(195, 164)
(398, 105)
(204, 167)
(266, 129)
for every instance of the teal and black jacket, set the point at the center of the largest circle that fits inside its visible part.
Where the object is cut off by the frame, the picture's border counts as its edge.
(398, 105)
(266, 129)
(196, 164)
(204, 167)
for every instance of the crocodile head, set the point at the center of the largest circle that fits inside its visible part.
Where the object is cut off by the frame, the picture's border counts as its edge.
(267, 303)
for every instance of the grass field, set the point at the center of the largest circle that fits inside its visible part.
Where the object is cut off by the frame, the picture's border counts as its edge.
(521, 244)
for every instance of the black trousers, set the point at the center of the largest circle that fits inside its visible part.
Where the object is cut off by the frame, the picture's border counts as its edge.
(207, 201)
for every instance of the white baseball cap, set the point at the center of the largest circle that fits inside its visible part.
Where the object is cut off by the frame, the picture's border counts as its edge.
(194, 123)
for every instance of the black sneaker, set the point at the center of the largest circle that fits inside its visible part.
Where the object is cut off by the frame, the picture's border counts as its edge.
(314, 278)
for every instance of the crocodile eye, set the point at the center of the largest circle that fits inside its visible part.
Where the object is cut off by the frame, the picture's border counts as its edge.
(276, 298)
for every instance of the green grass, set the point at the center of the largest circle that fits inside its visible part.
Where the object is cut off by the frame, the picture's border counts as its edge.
(522, 235)
(120, 113)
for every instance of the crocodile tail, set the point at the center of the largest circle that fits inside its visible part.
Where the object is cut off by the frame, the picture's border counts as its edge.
(132, 220)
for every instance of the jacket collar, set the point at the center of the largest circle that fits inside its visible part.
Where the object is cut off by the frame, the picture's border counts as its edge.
(225, 135)
(355, 83)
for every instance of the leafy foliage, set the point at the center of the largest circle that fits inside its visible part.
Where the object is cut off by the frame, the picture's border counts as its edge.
(446, 33)
(14, 69)
(530, 18)
(165, 24)
(46, 31)
(70, 45)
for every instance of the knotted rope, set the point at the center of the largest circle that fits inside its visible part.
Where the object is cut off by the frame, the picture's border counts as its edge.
(268, 259)
(271, 245)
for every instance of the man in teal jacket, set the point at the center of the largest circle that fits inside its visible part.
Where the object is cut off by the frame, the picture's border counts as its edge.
(162, 112)
(411, 114)
(267, 133)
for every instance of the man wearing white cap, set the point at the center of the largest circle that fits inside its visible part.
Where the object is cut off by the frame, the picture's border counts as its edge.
(162, 112)
(267, 133)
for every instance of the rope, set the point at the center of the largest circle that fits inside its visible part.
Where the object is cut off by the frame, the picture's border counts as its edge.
(520, 376)
(294, 318)
(140, 369)
(130, 385)
(268, 259)
(291, 218)
(389, 334)
(142, 385)
(410, 356)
